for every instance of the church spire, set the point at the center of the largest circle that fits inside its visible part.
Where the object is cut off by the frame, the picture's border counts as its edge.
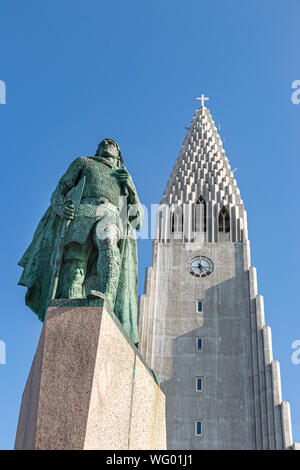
(203, 170)
(201, 318)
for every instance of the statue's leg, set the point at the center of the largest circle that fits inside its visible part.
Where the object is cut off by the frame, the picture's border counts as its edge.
(106, 235)
(74, 270)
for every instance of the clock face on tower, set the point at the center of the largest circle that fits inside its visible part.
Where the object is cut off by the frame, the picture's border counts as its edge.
(200, 266)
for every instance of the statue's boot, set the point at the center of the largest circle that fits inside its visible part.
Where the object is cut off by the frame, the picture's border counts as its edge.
(74, 274)
(108, 268)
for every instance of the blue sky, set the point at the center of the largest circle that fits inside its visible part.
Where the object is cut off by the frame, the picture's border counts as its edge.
(77, 71)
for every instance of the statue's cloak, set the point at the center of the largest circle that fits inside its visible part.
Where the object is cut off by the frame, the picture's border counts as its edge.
(38, 264)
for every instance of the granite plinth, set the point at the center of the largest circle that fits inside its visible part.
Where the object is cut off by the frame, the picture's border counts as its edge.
(89, 387)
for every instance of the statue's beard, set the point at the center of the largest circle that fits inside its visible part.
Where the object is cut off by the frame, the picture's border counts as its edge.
(111, 161)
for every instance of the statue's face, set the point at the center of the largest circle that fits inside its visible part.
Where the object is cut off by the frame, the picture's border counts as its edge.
(108, 149)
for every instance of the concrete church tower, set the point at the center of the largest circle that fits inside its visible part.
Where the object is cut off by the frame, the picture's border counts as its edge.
(202, 326)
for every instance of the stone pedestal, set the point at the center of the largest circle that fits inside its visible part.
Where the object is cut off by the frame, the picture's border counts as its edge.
(89, 388)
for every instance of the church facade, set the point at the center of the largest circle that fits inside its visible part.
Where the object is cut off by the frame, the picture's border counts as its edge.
(201, 318)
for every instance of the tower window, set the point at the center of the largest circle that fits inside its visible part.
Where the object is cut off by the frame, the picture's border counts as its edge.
(198, 428)
(200, 216)
(199, 384)
(177, 220)
(160, 224)
(224, 220)
(199, 343)
(199, 306)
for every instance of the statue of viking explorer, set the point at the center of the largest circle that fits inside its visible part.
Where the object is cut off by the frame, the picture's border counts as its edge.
(85, 243)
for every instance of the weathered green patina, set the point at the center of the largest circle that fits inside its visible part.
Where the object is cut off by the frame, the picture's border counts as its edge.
(85, 243)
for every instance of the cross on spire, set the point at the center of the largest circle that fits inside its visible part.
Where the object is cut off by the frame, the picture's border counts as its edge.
(202, 99)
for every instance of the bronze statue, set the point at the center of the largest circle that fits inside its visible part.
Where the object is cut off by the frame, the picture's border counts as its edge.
(85, 243)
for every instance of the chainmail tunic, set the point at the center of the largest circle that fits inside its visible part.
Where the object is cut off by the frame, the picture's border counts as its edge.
(101, 188)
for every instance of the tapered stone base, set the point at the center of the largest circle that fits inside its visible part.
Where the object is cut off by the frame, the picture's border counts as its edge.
(89, 388)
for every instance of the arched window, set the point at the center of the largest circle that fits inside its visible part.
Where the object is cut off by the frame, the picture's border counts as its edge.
(224, 220)
(177, 220)
(200, 216)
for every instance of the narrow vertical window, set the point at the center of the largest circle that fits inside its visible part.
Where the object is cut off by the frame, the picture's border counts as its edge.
(199, 384)
(177, 220)
(199, 343)
(224, 220)
(160, 224)
(173, 222)
(198, 427)
(199, 306)
(200, 216)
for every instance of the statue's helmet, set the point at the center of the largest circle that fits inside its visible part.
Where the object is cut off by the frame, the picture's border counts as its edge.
(116, 144)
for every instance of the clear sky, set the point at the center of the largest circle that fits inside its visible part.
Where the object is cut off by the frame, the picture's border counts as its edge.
(80, 70)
